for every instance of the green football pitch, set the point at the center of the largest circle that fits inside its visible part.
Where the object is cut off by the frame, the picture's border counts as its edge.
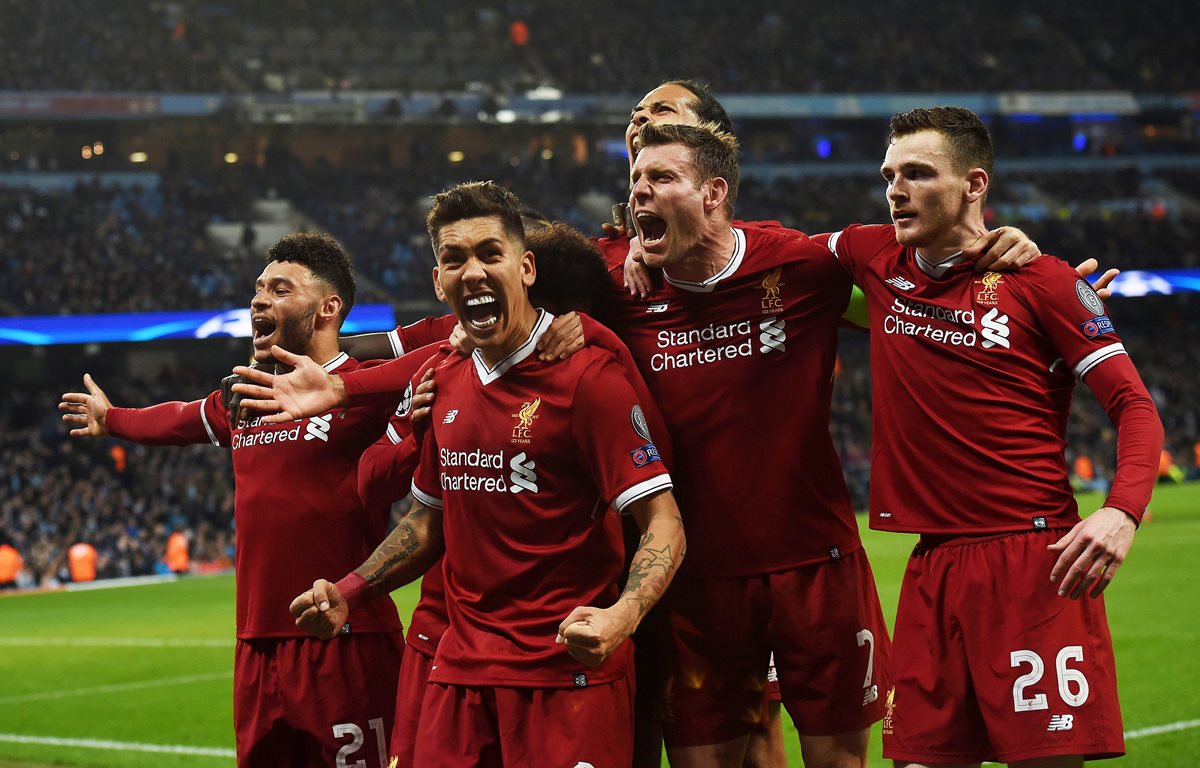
(141, 676)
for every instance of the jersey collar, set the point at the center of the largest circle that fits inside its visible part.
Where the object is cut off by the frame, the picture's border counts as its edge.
(735, 261)
(939, 270)
(336, 362)
(488, 375)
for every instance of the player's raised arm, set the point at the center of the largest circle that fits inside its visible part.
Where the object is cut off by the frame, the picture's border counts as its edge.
(593, 634)
(87, 411)
(409, 550)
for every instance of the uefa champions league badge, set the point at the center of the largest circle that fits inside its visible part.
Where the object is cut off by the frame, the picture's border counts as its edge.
(638, 417)
(1088, 298)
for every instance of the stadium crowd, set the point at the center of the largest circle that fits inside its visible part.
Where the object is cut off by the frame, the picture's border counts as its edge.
(189, 46)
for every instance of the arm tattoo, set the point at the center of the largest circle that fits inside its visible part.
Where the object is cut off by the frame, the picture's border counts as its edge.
(649, 574)
(402, 556)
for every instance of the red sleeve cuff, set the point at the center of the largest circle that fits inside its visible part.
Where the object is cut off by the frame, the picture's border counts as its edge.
(354, 589)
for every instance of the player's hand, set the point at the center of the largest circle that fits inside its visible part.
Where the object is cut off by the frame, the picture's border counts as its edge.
(308, 390)
(1088, 267)
(1002, 250)
(637, 274)
(592, 634)
(321, 611)
(461, 341)
(562, 339)
(86, 411)
(422, 400)
(1091, 553)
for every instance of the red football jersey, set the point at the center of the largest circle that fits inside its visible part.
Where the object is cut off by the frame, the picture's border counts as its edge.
(524, 458)
(296, 503)
(427, 330)
(973, 375)
(743, 368)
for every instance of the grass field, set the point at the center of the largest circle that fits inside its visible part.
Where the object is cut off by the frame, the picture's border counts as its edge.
(141, 676)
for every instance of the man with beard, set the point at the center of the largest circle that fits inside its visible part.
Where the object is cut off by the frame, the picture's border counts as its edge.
(298, 516)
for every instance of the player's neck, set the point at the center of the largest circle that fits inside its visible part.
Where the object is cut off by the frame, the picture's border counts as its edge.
(517, 335)
(954, 242)
(322, 350)
(708, 256)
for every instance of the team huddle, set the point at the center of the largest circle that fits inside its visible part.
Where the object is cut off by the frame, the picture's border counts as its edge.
(629, 520)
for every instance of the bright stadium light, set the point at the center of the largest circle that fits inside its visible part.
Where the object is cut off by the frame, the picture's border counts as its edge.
(98, 148)
(456, 156)
(86, 152)
(506, 116)
(231, 157)
(138, 157)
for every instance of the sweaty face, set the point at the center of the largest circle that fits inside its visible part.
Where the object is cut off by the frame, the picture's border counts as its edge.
(485, 274)
(665, 104)
(666, 202)
(284, 308)
(925, 193)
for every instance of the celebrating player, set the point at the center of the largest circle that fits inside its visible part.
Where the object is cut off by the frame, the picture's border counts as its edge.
(995, 657)
(532, 453)
(297, 702)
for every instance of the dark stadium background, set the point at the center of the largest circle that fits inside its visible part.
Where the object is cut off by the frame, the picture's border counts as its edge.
(150, 152)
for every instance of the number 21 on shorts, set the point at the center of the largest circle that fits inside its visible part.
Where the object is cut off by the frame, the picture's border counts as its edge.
(1072, 685)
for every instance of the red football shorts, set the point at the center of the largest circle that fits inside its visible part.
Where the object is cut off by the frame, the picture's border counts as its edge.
(486, 727)
(991, 664)
(306, 702)
(825, 626)
(410, 692)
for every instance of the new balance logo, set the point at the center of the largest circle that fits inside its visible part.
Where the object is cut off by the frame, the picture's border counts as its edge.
(772, 336)
(317, 428)
(901, 283)
(1061, 723)
(656, 308)
(450, 416)
(995, 329)
(523, 478)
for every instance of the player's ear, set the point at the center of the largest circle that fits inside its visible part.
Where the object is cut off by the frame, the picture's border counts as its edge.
(977, 184)
(528, 269)
(437, 286)
(330, 307)
(716, 190)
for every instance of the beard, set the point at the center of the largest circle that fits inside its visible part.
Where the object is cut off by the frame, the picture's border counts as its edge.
(295, 333)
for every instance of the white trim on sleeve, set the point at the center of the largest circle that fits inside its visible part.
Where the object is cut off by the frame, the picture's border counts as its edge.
(393, 435)
(1099, 356)
(833, 241)
(641, 490)
(393, 336)
(207, 427)
(429, 501)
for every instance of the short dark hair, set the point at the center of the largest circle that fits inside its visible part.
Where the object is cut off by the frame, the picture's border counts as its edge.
(475, 199)
(324, 257)
(969, 140)
(705, 105)
(571, 273)
(714, 151)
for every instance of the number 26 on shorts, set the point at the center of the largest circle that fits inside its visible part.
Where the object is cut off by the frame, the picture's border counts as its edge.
(1072, 685)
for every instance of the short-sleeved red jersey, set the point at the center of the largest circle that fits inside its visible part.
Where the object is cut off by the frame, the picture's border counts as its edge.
(296, 502)
(525, 458)
(427, 330)
(973, 375)
(742, 365)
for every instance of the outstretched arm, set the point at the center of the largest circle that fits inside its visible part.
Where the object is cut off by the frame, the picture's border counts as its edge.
(412, 547)
(593, 634)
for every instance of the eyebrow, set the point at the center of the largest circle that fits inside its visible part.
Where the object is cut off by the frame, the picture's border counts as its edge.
(481, 244)
(274, 279)
(651, 105)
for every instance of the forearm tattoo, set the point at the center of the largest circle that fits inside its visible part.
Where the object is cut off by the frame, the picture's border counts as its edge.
(650, 573)
(402, 556)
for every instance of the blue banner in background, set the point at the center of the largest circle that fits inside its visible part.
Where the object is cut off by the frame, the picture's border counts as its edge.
(1159, 282)
(146, 326)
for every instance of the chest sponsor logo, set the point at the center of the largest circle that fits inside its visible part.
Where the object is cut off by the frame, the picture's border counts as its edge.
(1097, 326)
(900, 282)
(522, 431)
(451, 415)
(995, 329)
(487, 472)
(315, 428)
(987, 285)
(772, 285)
(1088, 298)
(655, 308)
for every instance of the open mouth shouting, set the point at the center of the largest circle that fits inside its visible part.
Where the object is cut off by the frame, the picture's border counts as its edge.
(651, 228)
(263, 331)
(482, 312)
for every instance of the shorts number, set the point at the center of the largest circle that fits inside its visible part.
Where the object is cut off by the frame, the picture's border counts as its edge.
(1066, 678)
(871, 692)
(341, 730)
